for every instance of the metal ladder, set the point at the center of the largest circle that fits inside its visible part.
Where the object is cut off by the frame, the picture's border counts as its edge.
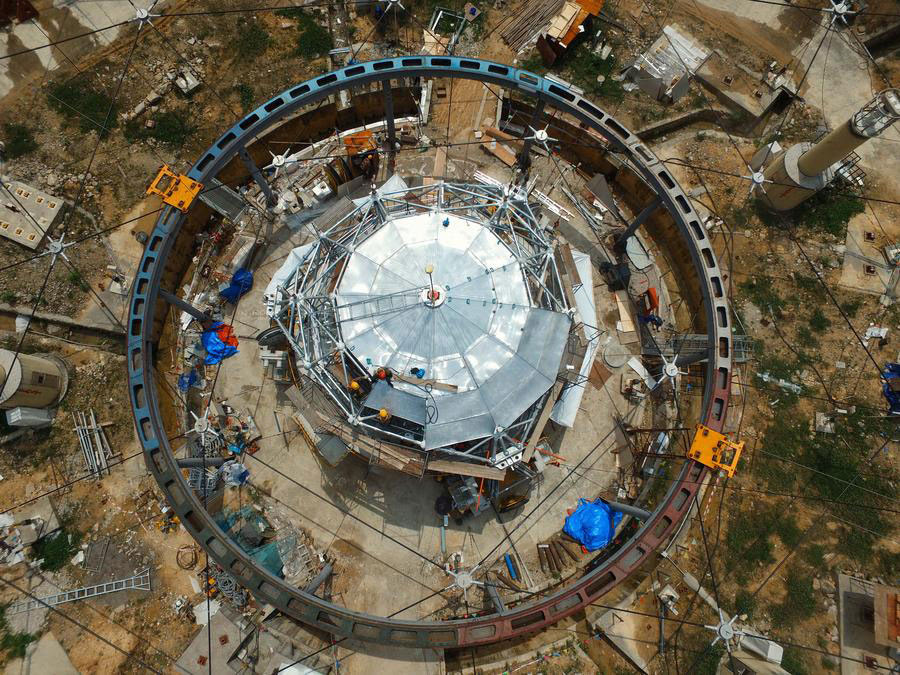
(139, 582)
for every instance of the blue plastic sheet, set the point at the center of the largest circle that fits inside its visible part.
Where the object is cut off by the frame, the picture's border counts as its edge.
(188, 380)
(241, 282)
(592, 524)
(891, 375)
(219, 343)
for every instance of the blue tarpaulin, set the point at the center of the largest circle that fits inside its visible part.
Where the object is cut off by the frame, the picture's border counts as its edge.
(188, 380)
(241, 282)
(592, 524)
(219, 342)
(891, 386)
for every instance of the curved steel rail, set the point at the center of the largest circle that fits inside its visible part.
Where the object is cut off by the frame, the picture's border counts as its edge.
(519, 620)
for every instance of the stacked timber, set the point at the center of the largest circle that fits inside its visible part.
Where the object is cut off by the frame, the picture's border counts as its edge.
(531, 22)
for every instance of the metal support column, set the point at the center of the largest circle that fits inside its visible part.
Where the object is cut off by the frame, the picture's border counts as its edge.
(634, 511)
(525, 154)
(388, 92)
(320, 579)
(271, 199)
(184, 306)
(637, 222)
(201, 462)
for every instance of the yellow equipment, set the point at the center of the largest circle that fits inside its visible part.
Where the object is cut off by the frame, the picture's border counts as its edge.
(175, 190)
(714, 450)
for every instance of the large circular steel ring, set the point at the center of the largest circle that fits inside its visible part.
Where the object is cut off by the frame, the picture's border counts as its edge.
(313, 610)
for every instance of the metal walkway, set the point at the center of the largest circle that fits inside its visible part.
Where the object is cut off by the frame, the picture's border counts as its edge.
(139, 582)
(693, 347)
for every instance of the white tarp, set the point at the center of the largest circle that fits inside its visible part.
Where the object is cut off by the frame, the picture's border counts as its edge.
(566, 408)
(392, 184)
(295, 259)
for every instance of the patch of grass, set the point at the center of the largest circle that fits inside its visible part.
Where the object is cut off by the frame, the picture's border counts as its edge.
(9, 297)
(744, 602)
(78, 102)
(806, 338)
(807, 283)
(747, 542)
(851, 307)
(814, 555)
(818, 321)
(56, 550)
(170, 128)
(245, 94)
(794, 661)
(761, 292)
(76, 279)
(799, 602)
(313, 42)
(252, 39)
(19, 140)
(828, 212)
(290, 12)
(787, 530)
(14, 644)
(782, 441)
(582, 67)
(889, 564)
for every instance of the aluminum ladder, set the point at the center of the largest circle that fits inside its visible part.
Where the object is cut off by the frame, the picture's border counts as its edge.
(139, 582)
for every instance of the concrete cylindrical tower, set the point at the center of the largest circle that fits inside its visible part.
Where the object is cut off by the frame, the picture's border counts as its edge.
(804, 169)
(30, 381)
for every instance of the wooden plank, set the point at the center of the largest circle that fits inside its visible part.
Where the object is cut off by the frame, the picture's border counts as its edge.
(434, 383)
(500, 153)
(624, 313)
(599, 375)
(466, 469)
(541, 422)
(493, 132)
(440, 162)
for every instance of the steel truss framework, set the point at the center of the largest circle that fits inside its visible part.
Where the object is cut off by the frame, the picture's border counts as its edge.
(311, 314)
(515, 621)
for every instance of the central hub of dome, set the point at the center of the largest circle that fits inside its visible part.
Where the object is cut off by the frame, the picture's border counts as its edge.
(459, 330)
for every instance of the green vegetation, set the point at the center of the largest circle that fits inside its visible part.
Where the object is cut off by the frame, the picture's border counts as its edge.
(252, 39)
(707, 661)
(794, 661)
(840, 473)
(744, 602)
(761, 292)
(76, 279)
(12, 645)
(851, 307)
(55, 550)
(787, 530)
(818, 321)
(799, 602)
(747, 544)
(814, 556)
(170, 128)
(290, 12)
(9, 297)
(245, 94)
(313, 40)
(19, 140)
(77, 101)
(828, 212)
(581, 66)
